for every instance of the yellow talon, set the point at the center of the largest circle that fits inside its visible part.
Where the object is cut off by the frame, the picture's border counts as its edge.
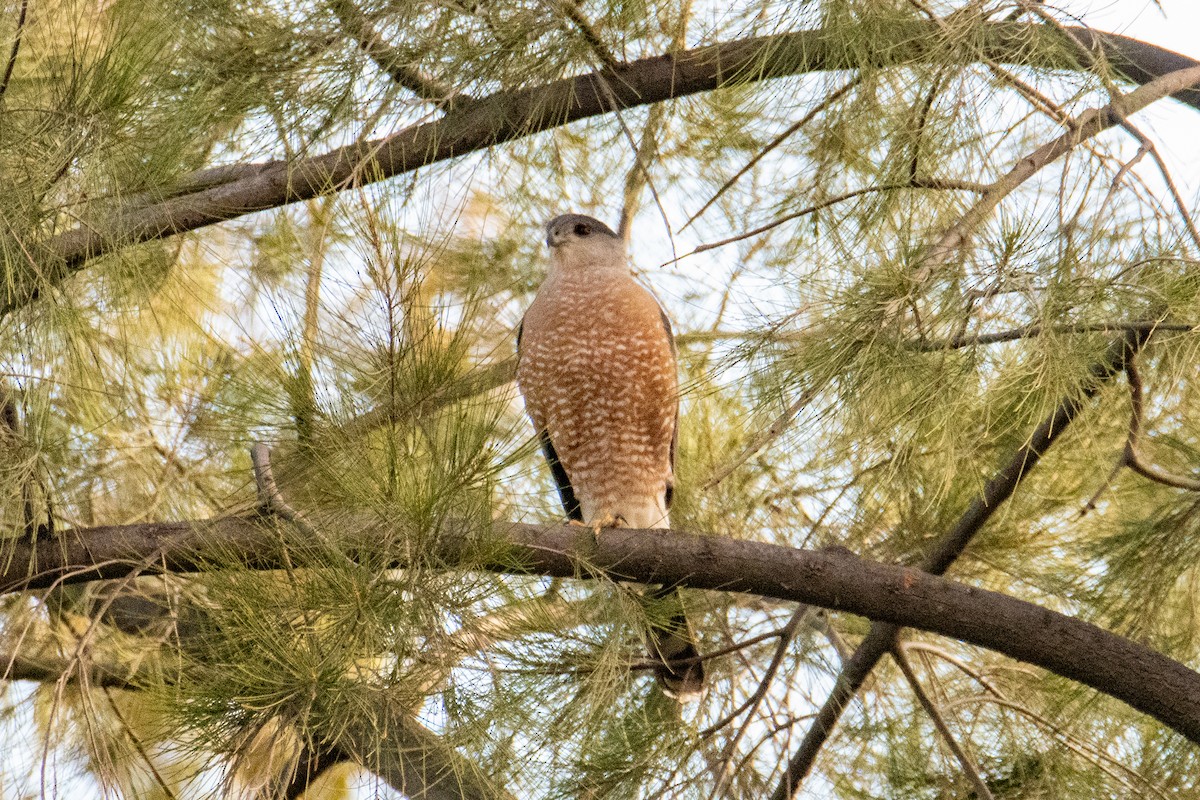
(600, 523)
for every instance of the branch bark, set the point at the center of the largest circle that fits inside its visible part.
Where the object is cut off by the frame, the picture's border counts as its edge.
(834, 579)
(516, 113)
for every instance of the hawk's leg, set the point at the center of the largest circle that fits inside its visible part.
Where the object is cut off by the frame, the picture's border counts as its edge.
(606, 520)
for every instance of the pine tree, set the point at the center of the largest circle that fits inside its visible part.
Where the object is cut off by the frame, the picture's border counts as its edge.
(274, 522)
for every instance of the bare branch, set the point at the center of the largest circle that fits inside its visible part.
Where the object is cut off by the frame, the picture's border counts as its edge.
(786, 636)
(920, 183)
(1146, 144)
(1037, 329)
(16, 48)
(1089, 124)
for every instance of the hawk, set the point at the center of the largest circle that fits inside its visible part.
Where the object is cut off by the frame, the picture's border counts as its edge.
(596, 366)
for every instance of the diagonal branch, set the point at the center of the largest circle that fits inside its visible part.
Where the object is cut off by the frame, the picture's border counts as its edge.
(391, 60)
(572, 11)
(1086, 126)
(516, 113)
(1131, 457)
(1144, 141)
(969, 768)
(16, 48)
(882, 636)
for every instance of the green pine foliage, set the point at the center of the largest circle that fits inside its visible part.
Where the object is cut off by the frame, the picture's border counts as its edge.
(836, 393)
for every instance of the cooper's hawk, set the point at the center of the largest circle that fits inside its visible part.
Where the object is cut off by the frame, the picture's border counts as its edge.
(596, 365)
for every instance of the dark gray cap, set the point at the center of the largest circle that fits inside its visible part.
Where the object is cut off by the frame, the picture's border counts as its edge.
(575, 225)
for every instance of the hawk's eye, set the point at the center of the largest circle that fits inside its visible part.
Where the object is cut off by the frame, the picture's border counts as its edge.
(582, 229)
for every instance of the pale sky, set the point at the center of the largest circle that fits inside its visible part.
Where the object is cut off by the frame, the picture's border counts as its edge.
(1176, 27)
(1175, 128)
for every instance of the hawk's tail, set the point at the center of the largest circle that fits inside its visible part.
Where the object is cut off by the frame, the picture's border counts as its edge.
(672, 646)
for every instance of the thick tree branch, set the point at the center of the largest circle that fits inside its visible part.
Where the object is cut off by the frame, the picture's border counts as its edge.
(882, 636)
(516, 113)
(899, 596)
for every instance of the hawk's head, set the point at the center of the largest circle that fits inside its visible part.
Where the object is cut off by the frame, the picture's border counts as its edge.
(580, 241)
(569, 228)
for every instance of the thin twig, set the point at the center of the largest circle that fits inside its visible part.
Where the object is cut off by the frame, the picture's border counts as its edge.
(937, 184)
(1131, 456)
(391, 60)
(1085, 749)
(736, 647)
(272, 500)
(958, 663)
(137, 745)
(1116, 182)
(1147, 145)
(639, 173)
(1038, 329)
(774, 143)
(786, 636)
(964, 758)
(1090, 505)
(761, 440)
(572, 12)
